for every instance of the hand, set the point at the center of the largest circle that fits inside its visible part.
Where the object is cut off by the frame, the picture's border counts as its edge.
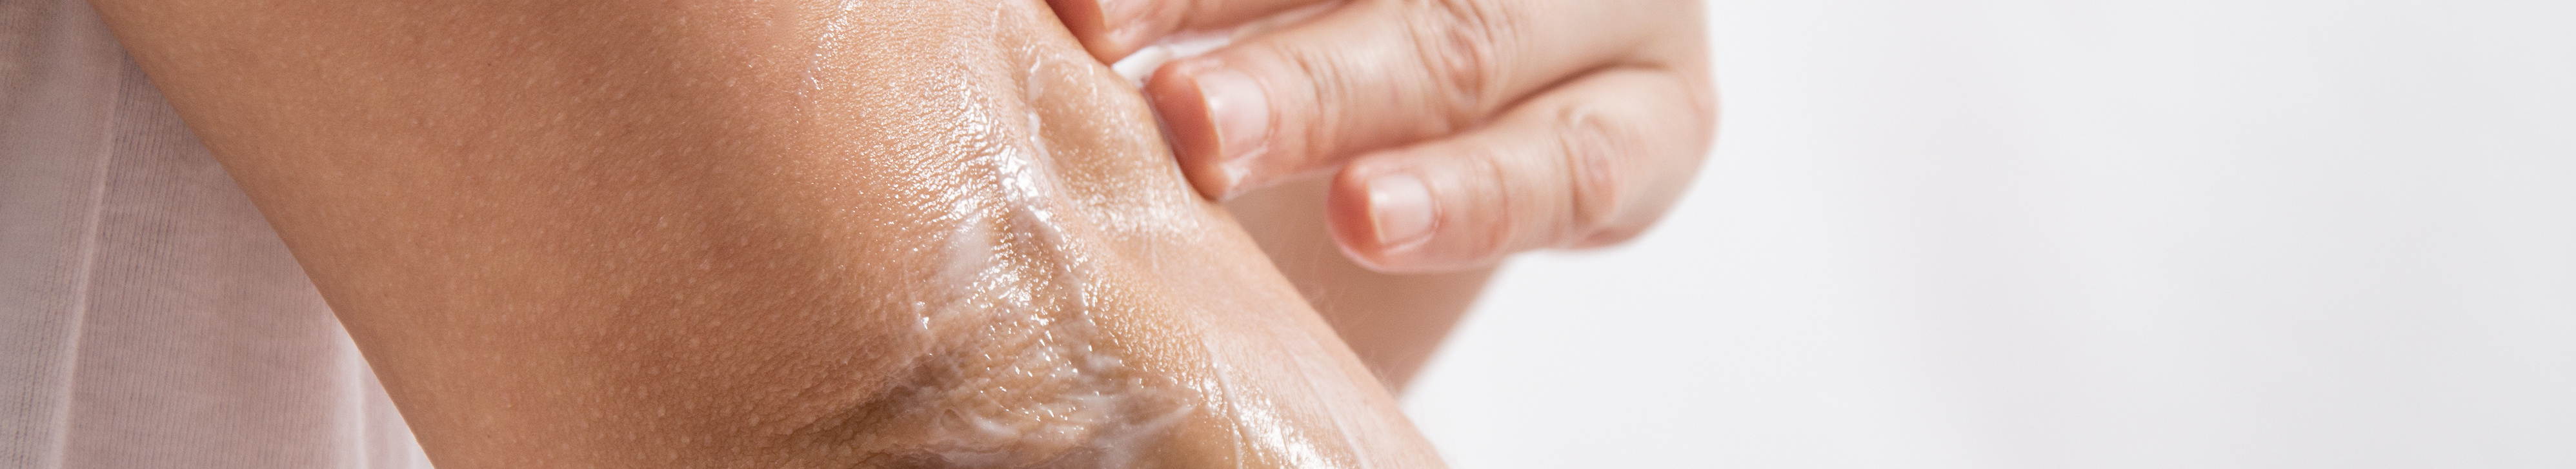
(1458, 131)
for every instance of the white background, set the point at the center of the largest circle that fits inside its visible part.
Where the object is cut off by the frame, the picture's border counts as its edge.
(2073, 234)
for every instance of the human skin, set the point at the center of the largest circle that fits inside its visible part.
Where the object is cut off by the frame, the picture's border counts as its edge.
(1393, 322)
(759, 233)
(1424, 140)
(1455, 132)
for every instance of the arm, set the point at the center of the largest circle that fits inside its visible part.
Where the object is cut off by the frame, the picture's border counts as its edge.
(1393, 322)
(704, 233)
(1454, 133)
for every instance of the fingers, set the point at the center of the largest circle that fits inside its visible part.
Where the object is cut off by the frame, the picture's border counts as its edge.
(1590, 163)
(1378, 73)
(1111, 29)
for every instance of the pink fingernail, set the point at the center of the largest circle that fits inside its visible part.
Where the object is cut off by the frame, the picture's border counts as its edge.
(1400, 208)
(1116, 14)
(1240, 111)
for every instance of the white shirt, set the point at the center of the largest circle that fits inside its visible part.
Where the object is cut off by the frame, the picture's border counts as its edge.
(149, 317)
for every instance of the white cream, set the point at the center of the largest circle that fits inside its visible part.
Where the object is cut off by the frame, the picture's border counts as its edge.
(1018, 372)
(1020, 292)
(1185, 44)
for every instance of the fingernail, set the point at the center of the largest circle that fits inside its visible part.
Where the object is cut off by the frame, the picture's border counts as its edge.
(1400, 208)
(1117, 16)
(1240, 111)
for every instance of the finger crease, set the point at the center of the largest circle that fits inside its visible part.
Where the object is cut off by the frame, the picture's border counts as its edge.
(1591, 150)
(1462, 43)
(1503, 230)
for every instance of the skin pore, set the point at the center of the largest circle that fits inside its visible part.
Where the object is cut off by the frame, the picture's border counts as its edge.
(760, 233)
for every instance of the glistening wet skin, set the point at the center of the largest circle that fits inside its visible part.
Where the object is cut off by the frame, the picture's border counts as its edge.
(1018, 372)
(1078, 305)
(789, 233)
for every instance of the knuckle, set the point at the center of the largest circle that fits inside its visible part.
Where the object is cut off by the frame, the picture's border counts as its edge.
(1502, 225)
(1463, 47)
(1331, 84)
(1593, 149)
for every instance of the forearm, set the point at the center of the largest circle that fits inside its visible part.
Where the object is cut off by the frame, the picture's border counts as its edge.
(701, 233)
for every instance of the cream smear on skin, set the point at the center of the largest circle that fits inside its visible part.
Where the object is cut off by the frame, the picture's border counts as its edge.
(1020, 274)
(1020, 373)
(1017, 373)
